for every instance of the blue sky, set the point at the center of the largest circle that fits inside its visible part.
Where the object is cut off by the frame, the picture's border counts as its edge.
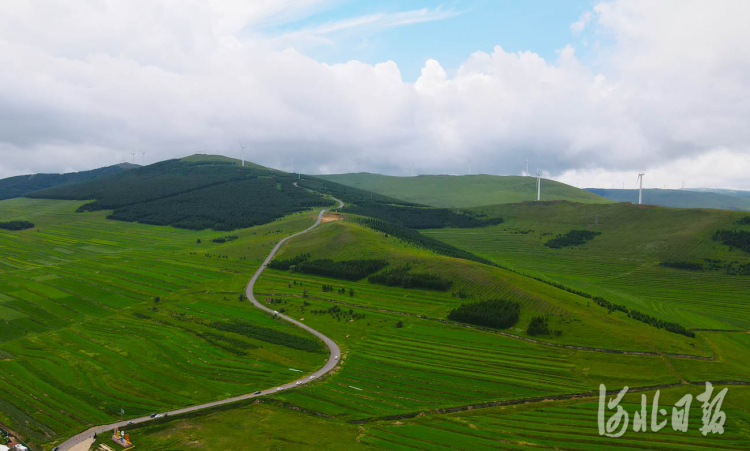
(461, 28)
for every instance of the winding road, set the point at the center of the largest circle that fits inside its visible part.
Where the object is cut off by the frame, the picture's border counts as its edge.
(330, 363)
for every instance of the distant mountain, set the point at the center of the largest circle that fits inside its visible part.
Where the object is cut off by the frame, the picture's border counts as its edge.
(678, 198)
(21, 185)
(728, 192)
(464, 190)
(196, 192)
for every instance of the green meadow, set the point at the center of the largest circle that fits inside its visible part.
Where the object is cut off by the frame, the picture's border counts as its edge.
(100, 315)
(84, 334)
(622, 264)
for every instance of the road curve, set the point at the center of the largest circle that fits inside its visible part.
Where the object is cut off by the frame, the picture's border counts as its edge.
(330, 363)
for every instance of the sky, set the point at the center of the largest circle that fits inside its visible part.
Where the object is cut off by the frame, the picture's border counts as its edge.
(589, 92)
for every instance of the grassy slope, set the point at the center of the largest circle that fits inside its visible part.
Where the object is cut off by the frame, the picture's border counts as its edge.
(427, 365)
(463, 191)
(72, 351)
(677, 198)
(622, 263)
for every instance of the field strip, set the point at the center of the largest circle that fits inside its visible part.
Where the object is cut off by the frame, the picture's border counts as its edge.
(513, 402)
(499, 332)
(330, 363)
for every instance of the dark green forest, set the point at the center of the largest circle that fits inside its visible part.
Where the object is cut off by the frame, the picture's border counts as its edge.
(22, 185)
(16, 225)
(403, 276)
(739, 239)
(572, 238)
(495, 313)
(345, 269)
(193, 195)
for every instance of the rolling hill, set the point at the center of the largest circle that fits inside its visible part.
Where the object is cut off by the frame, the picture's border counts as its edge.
(463, 191)
(197, 192)
(678, 198)
(21, 185)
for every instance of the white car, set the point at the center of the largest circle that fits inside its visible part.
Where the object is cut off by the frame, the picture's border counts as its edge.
(279, 388)
(312, 377)
(275, 312)
(298, 382)
(337, 357)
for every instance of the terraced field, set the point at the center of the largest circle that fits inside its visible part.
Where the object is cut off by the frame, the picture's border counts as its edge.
(94, 315)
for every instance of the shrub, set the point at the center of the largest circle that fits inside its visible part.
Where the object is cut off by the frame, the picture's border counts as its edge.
(538, 326)
(496, 313)
(744, 221)
(16, 225)
(572, 238)
(682, 265)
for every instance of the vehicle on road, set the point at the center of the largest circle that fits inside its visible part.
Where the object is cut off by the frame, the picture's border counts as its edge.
(312, 377)
(257, 392)
(153, 415)
(275, 312)
(297, 383)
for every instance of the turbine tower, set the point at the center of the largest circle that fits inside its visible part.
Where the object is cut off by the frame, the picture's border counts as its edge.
(143, 158)
(469, 158)
(527, 167)
(639, 180)
(133, 154)
(538, 185)
(243, 154)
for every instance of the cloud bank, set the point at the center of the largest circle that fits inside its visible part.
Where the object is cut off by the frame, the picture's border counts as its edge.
(666, 92)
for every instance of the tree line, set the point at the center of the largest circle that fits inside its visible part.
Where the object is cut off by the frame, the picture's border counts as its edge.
(345, 269)
(495, 313)
(402, 276)
(284, 264)
(420, 217)
(414, 237)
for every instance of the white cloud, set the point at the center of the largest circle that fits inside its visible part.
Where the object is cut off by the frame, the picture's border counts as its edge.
(80, 84)
(578, 26)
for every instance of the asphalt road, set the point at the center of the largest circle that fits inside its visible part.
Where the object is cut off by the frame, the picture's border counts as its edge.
(330, 363)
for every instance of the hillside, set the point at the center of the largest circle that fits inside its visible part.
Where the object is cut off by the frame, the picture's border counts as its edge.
(197, 192)
(463, 190)
(677, 198)
(624, 262)
(21, 185)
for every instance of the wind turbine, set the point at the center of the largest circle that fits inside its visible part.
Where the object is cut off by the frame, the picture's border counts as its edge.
(143, 158)
(469, 158)
(243, 154)
(538, 185)
(133, 154)
(527, 167)
(639, 180)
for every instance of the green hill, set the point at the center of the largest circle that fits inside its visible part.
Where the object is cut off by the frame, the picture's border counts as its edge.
(21, 185)
(625, 262)
(197, 192)
(463, 190)
(678, 198)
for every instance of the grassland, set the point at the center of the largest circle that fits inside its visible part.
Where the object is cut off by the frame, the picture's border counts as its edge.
(82, 336)
(622, 264)
(402, 364)
(463, 191)
(393, 382)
